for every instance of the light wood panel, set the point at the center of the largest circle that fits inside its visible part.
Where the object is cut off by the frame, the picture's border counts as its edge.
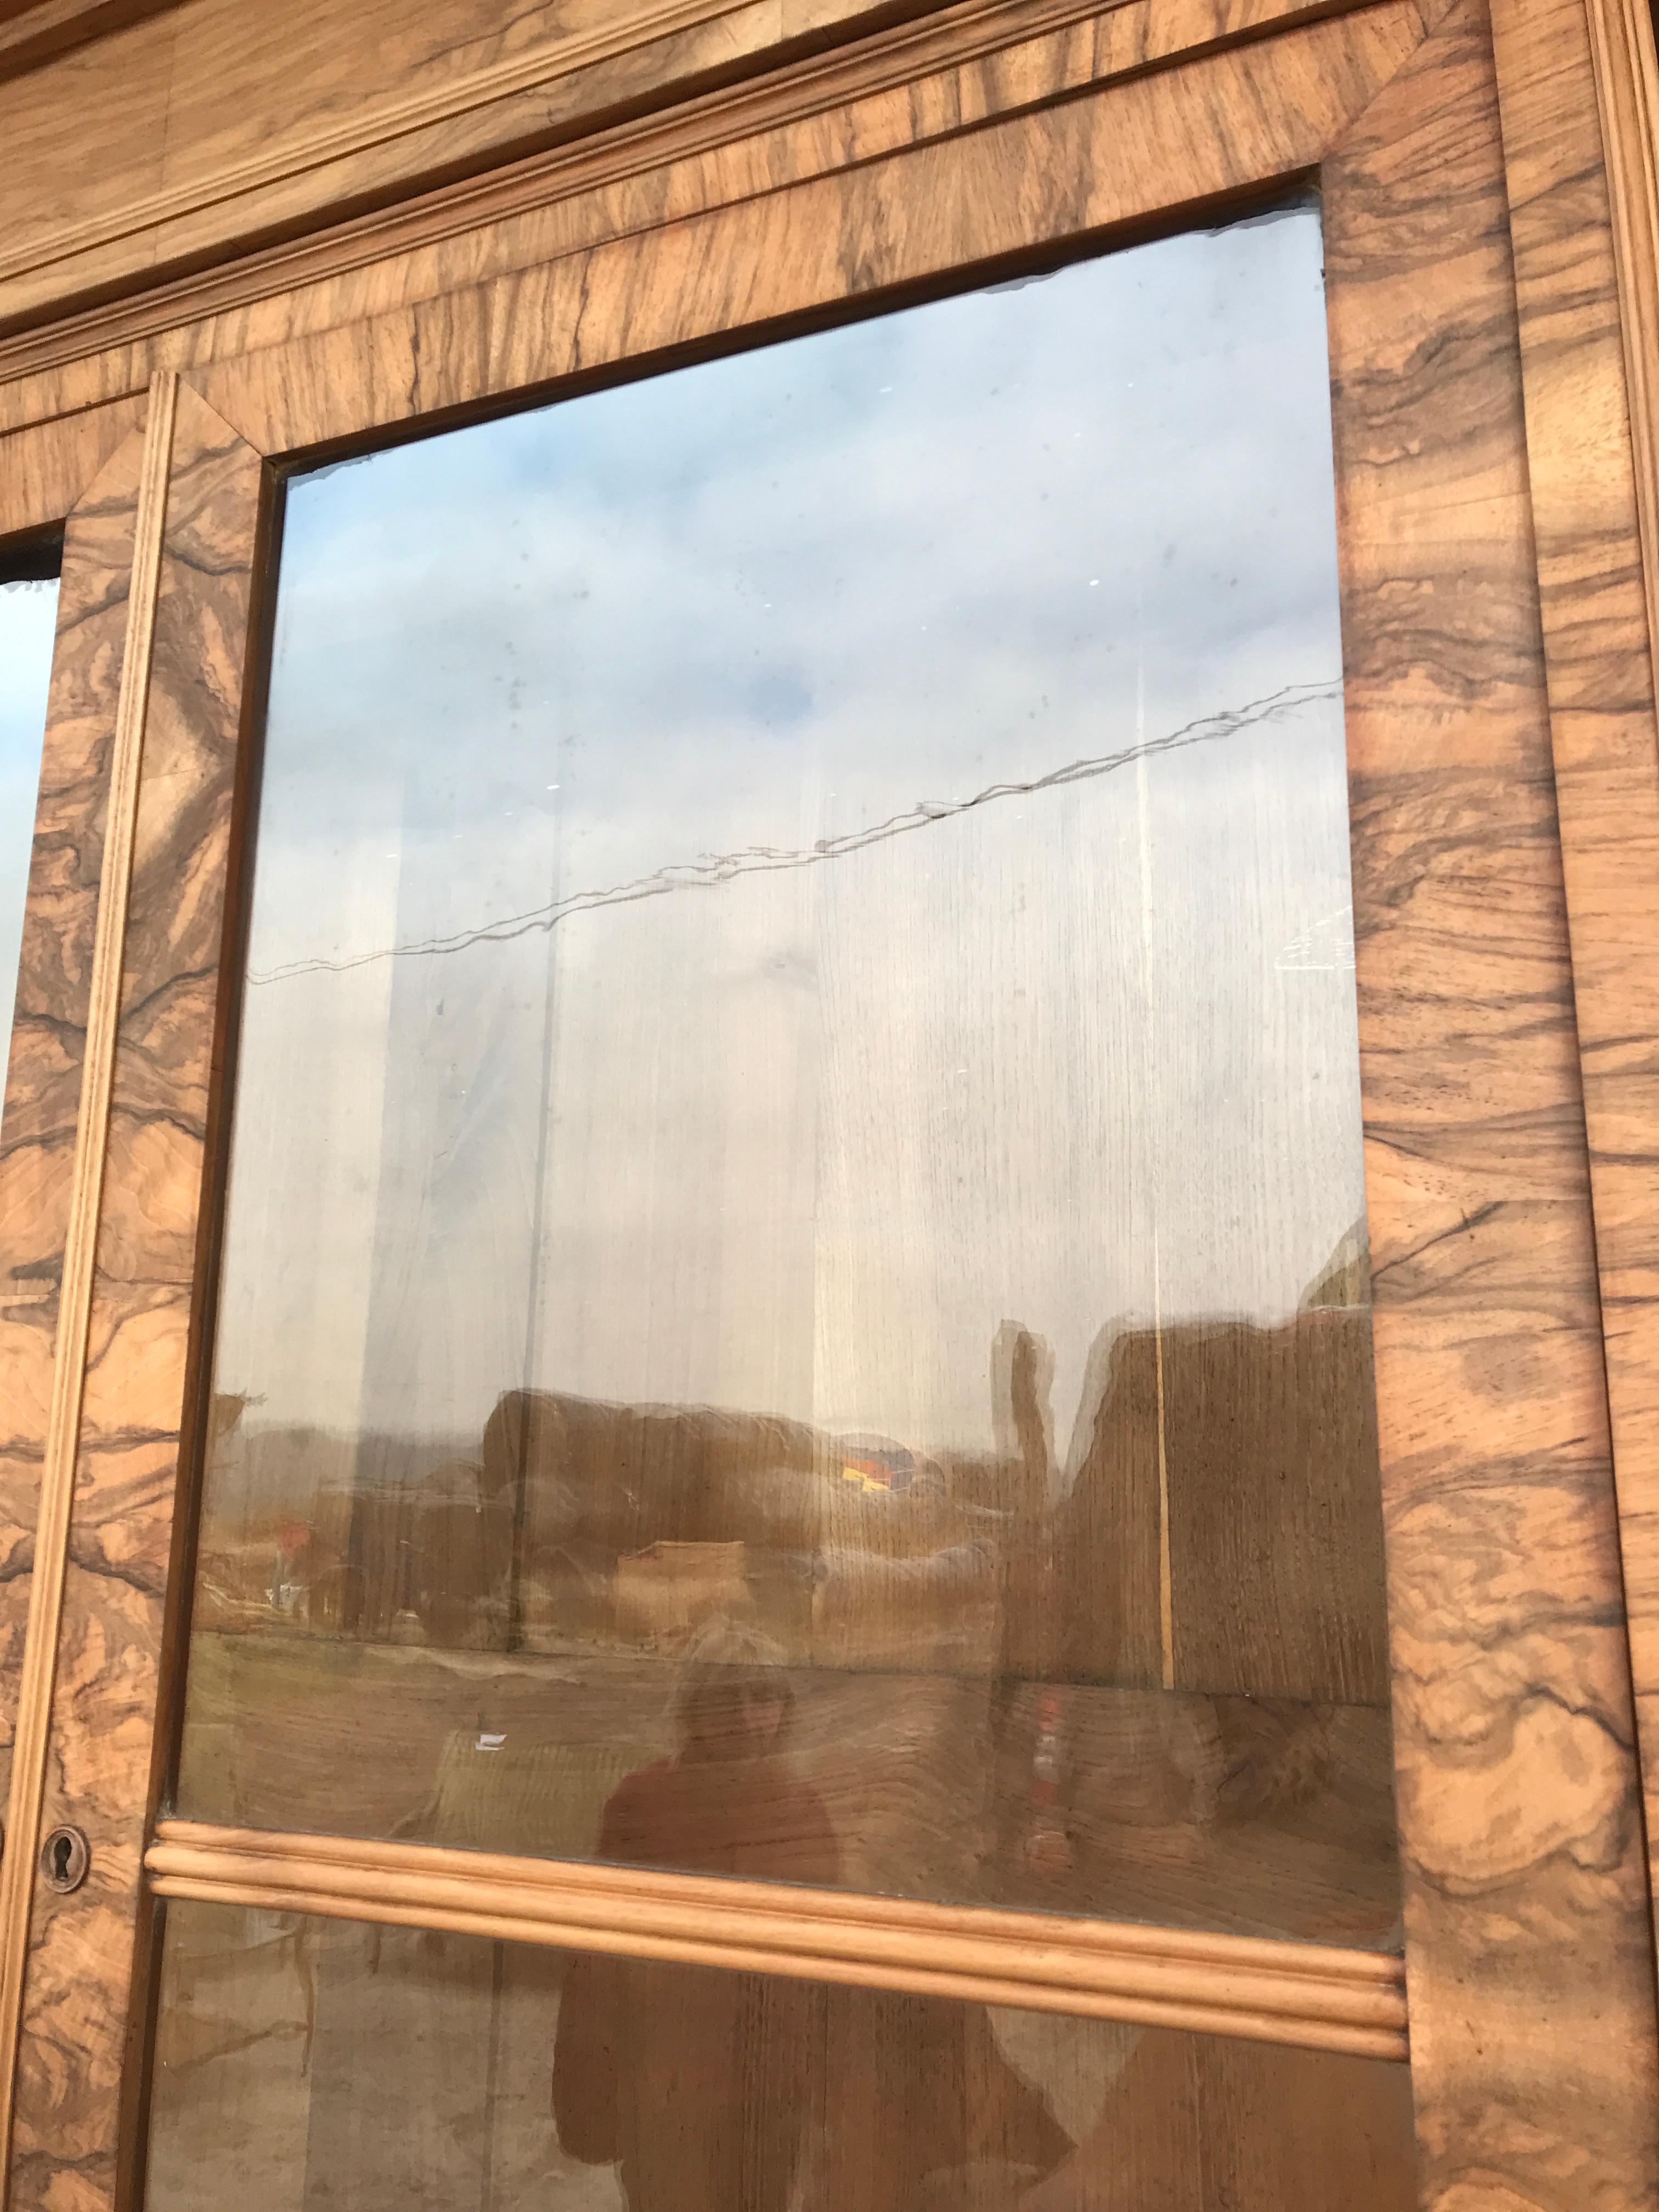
(222, 128)
(1323, 1998)
(391, 2067)
(1246, 1815)
(1527, 1928)
(1587, 472)
(919, 83)
(154, 998)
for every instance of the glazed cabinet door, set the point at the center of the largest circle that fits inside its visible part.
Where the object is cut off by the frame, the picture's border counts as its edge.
(829, 1422)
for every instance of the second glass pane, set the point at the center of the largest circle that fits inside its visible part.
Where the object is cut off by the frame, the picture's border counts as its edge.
(307, 2065)
(794, 1299)
(29, 615)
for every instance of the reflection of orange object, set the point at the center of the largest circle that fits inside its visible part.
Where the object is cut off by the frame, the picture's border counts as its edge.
(293, 1535)
(888, 1468)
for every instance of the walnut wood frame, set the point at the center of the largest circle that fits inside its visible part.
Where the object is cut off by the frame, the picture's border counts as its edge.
(1493, 525)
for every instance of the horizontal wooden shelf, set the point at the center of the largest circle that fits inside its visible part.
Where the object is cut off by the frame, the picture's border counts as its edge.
(1313, 1996)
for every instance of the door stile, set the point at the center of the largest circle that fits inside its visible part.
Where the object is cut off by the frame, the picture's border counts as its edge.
(89, 1712)
(1527, 1933)
(75, 1292)
(1587, 284)
(43, 1079)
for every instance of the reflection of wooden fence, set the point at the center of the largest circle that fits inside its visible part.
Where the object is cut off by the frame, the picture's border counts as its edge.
(1263, 1442)
(666, 1592)
(1218, 1529)
(1215, 1529)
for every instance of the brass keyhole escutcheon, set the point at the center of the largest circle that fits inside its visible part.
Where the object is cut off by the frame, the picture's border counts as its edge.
(64, 1859)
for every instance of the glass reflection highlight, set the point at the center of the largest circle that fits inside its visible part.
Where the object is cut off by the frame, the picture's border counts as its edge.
(799, 1118)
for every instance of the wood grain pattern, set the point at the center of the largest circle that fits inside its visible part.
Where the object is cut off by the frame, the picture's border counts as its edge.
(272, 122)
(921, 81)
(1324, 1998)
(1586, 516)
(1255, 114)
(70, 1347)
(48, 1037)
(98, 1748)
(49, 466)
(1527, 1933)
(1531, 1982)
(34, 32)
(1220, 127)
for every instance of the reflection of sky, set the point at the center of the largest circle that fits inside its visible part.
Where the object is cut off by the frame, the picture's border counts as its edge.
(802, 1141)
(28, 613)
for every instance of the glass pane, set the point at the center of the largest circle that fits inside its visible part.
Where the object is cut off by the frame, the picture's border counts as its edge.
(312, 2064)
(29, 615)
(794, 1301)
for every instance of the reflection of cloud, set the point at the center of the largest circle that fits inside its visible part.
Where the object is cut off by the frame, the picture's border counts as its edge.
(763, 860)
(1323, 946)
(804, 1146)
(975, 567)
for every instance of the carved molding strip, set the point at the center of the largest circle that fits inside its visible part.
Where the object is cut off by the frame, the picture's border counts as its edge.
(1142, 34)
(75, 1302)
(1308, 1994)
(375, 127)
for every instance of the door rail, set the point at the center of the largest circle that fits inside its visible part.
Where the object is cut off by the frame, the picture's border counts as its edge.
(1316, 1996)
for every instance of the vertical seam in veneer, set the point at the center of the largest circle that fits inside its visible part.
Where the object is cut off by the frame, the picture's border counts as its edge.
(79, 1252)
(1625, 70)
(1626, 76)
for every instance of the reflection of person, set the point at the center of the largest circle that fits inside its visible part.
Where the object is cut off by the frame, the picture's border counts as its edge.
(729, 1800)
(691, 2078)
(722, 2092)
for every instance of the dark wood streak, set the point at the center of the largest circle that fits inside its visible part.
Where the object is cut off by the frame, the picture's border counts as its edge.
(77, 1998)
(1530, 1988)
(43, 1083)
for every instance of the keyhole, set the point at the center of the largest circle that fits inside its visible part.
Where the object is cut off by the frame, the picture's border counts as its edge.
(63, 1857)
